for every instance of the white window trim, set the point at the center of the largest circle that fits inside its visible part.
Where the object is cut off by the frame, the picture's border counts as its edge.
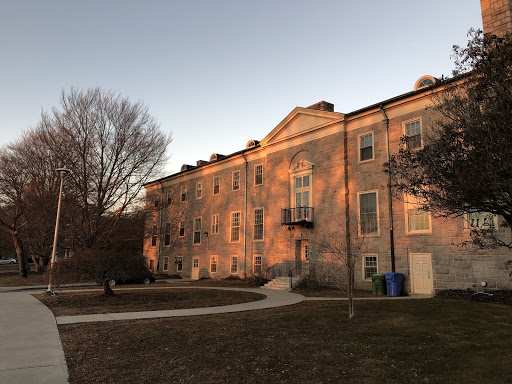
(163, 266)
(412, 205)
(218, 224)
(359, 146)
(213, 192)
(467, 227)
(374, 234)
(364, 265)
(178, 264)
(257, 165)
(231, 265)
(231, 226)
(254, 223)
(301, 173)
(254, 262)
(165, 234)
(216, 263)
(404, 131)
(183, 189)
(194, 230)
(233, 181)
(179, 228)
(199, 183)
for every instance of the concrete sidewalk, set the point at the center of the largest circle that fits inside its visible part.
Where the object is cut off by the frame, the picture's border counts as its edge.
(273, 299)
(30, 347)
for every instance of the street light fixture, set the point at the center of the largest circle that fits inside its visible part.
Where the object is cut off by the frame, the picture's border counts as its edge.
(63, 172)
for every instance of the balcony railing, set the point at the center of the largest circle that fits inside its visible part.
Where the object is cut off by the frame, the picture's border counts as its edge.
(297, 216)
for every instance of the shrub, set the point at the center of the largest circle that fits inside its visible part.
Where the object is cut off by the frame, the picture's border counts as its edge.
(175, 276)
(232, 278)
(98, 266)
(255, 281)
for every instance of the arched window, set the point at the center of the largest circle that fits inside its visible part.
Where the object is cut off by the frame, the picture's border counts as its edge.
(301, 185)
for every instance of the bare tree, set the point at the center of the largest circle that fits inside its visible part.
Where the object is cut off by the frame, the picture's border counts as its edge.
(113, 146)
(338, 252)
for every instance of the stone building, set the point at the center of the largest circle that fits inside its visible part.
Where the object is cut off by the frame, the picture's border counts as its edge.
(319, 172)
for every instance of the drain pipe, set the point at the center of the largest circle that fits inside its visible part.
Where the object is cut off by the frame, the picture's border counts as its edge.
(390, 197)
(160, 212)
(245, 215)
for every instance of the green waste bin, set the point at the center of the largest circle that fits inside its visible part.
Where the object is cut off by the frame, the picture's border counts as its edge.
(378, 284)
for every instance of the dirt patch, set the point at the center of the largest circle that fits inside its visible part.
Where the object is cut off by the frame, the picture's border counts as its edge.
(68, 304)
(500, 296)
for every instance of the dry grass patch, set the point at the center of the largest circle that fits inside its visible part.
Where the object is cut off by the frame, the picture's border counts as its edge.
(400, 341)
(15, 280)
(70, 303)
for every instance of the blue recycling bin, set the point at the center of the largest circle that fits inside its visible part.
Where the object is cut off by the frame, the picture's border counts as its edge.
(394, 283)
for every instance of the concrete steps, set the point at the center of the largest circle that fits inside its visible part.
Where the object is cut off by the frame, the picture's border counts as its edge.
(278, 284)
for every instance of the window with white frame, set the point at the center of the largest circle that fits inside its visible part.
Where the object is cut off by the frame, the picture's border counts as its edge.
(258, 174)
(236, 180)
(197, 230)
(257, 265)
(166, 264)
(154, 236)
(179, 263)
(301, 177)
(258, 224)
(183, 193)
(480, 220)
(369, 266)
(366, 147)
(199, 190)
(213, 264)
(215, 224)
(234, 264)
(368, 216)
(182, 229)
(167, 234)
(169, 197)
(216, 185)
(417, 220)
(235, 226)
(413, 134)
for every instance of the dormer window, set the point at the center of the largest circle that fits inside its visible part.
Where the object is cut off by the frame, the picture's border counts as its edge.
(424, 82)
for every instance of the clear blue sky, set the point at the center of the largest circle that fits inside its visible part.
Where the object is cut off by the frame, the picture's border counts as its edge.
(218, 73)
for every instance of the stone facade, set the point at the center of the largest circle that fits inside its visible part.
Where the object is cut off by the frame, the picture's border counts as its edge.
(496, 16)
(241, 214)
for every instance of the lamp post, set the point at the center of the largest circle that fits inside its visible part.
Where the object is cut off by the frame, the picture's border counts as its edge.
(63, 172)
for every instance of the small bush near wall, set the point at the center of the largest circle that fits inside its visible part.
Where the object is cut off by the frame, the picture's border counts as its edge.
(255, 281)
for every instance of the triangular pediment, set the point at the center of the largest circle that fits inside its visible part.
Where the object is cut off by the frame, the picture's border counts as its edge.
(300, 121)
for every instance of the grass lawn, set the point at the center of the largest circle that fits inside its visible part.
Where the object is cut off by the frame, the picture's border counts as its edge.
(65, 304)
(15, 280)
(398, 341)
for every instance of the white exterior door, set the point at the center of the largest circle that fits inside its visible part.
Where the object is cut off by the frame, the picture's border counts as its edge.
(195, 269)
(421, 273)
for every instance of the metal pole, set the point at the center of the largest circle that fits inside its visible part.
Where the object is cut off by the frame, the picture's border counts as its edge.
(62, 172)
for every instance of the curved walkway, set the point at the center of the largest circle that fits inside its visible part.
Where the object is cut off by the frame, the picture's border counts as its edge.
(273, 299)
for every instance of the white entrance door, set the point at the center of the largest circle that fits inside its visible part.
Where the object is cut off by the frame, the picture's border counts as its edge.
(195, 269)
(421, 273)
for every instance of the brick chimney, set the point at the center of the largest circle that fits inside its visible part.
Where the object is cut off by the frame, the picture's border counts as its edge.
(497, 16)
(323, 106)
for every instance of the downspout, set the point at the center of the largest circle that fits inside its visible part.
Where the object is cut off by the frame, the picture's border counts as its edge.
(245, 215)
(160, 210)
(390, 196)
(347, 194)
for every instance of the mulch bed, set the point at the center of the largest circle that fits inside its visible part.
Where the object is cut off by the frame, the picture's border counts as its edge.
(500, 296)
(69, 304)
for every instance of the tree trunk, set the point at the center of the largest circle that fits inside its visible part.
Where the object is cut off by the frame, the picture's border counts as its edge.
(18, 245)
(350, 292)
(107, 291)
